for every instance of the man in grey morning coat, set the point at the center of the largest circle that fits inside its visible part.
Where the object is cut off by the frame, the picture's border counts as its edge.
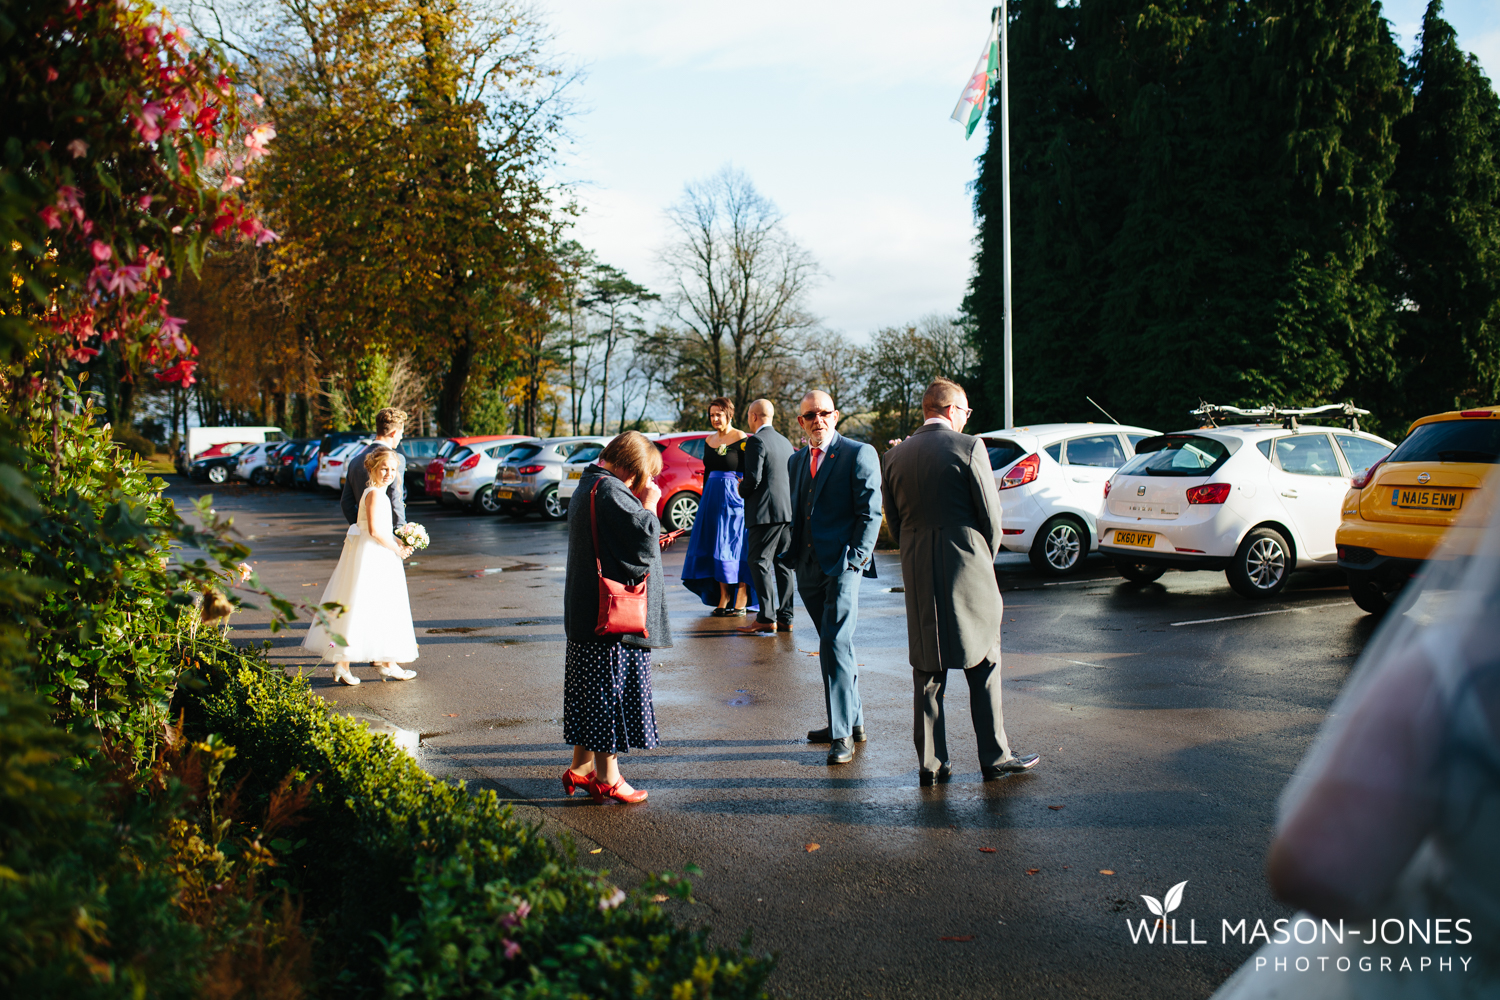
(944, 515)
(390, 425)
(768, 519)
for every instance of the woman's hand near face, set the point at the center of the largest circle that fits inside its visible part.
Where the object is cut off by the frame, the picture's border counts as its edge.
(650, 495)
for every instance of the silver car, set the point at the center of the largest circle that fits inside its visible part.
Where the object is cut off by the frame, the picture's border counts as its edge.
(528, 478)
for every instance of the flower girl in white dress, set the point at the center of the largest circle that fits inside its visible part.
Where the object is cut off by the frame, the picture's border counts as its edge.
(370, 583)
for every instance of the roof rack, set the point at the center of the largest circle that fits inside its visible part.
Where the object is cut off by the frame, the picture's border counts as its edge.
(1214, 414)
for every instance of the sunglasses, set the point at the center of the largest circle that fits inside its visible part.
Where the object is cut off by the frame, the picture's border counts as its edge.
(815, 414)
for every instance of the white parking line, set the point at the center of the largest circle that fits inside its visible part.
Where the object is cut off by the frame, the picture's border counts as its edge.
(1082, 664)
(1072, 583)
(1261, 614)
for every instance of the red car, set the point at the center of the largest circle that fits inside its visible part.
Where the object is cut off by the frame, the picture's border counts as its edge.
(681, 479)
(434, 480)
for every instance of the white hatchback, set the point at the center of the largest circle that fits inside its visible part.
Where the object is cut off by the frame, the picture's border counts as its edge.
(252, 459)
(1253, 500)
(333, 468)
(1051, 480)
(573, 469)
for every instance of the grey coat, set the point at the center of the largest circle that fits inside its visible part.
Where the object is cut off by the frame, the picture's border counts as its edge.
(358, 477)
(628, 534)
(944, 514)
(766, 486)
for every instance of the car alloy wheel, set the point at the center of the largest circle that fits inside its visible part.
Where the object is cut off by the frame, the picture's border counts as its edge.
(486, 502)
(681, 512)
(218, 474)
(552, 505)
(1262, 564)
(1060, 547)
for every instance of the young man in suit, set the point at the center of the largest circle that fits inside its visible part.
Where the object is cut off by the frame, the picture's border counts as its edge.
(944, 515)
(390, 425)
(835, 487)
(768, 519)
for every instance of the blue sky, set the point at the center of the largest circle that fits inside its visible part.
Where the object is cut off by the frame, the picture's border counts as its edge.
(838, 112)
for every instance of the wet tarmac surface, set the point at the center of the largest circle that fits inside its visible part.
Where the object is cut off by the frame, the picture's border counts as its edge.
(1168, 723)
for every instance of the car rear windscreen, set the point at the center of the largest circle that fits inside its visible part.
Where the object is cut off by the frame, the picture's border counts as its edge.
(521, 452)
(1452, 441)
(1002, 452)
(587, 453)
(460, 455)
(1188, 456)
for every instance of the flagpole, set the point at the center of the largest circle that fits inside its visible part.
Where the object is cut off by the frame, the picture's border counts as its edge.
(1010, 385)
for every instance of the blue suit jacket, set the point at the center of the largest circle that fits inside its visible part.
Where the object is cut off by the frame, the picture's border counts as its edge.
(845, 517)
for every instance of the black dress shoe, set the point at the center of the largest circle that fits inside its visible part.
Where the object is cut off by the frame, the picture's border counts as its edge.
(840, 752)
(1017, 764)
(825, 735)
(926, 777)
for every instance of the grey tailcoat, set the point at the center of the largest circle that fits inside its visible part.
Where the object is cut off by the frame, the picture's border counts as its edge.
(944, 515)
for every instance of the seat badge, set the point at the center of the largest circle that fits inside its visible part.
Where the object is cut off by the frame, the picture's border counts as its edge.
(1140, 491)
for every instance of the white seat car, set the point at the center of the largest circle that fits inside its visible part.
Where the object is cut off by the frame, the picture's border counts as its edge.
(1051, 479)
(251, 460)
(469, 474)
(334, 466)
(1253, 500)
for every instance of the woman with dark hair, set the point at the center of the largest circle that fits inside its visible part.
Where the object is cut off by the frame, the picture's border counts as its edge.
(607, 686)
(717, 564)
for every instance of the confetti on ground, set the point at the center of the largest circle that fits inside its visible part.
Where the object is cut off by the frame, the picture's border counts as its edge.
(1032, 871)
(811, 847)
(987, 850)
(658, 898)
(956, 937)
(596, 850)
(451, 715)
(1054, 807)
(1105, 871)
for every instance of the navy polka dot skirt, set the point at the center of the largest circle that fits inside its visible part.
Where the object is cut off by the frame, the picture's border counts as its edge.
(607, 697)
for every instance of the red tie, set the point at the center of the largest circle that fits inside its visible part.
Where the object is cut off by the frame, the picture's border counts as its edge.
(817, 456)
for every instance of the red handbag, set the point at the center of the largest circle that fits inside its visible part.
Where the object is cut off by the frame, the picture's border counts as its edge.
(622, 607)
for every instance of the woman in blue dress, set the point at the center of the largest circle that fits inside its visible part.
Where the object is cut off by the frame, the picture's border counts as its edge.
(717, 566)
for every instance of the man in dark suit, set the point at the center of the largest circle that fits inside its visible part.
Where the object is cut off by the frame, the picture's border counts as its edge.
(768, 519)
(390, 424)
(944, 515)
(835, 487)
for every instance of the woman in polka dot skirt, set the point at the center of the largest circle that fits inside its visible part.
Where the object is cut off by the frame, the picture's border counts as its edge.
(607, 686)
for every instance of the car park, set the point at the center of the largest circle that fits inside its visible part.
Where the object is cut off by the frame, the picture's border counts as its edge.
(681, 479)
(216, 463)
(334, 467)
(201, 442)
(1397, 512)
(446, 448)
(1051, 480)
(469, 473)
(528, 478)
(1255, 500)
(419, 453)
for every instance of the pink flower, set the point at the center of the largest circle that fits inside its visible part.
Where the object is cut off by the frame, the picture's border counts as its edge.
(171, 334)
(51, 74)
(83, 354)
(152, 35)
(511, 948)
(260, 102)
(69, 196)
(128, 280)
(610, 902)
(231, 182)
(143, 202)
(146, 122)
(78, 148)
(101, 251)
(266, 236)
(255, 141)
(213, 156)
(88, 224)
(51, 216)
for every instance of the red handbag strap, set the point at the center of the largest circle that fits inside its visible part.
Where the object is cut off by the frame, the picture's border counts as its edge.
(594, 524)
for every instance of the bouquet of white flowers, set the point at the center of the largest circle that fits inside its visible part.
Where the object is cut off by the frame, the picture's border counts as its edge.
(414, 535)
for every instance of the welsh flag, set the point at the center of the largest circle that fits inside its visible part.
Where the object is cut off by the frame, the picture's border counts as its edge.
(971, 105)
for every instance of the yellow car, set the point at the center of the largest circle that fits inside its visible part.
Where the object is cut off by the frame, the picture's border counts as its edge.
(1396, 513)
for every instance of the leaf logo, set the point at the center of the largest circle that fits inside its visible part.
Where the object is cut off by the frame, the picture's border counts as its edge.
(1161, 907)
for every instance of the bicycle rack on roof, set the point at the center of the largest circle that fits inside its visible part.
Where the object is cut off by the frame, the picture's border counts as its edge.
(1214, 414)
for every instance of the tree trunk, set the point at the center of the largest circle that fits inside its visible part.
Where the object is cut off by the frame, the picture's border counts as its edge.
(455, 381)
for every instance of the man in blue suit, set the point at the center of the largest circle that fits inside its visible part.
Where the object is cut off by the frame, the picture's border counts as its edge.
(836, 500)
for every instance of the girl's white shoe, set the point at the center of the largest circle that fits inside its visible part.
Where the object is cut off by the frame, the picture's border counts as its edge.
(342, 675)
(392, 672)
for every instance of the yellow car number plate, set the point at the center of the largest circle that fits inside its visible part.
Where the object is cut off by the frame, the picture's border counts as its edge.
(1427, 499)
(1139, 539)
(505, 494)
(575, 474)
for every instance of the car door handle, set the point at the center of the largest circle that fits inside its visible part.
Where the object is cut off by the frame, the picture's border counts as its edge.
(1291, 494)
(1077, 480)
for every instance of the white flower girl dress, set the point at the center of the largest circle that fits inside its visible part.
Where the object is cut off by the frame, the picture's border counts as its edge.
(370, 583)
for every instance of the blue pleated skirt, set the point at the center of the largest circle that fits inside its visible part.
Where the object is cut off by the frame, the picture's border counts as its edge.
(717, 550)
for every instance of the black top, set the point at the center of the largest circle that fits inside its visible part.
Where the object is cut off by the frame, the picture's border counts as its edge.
(727, 462)
(628, 534)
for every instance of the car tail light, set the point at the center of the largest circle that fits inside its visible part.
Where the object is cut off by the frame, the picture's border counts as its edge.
(1107, 484)
(1478, 413)
(1362, 480)
(469, 463)
(529, 470)
(1209, 493)
(335, 462)
(1022, 472)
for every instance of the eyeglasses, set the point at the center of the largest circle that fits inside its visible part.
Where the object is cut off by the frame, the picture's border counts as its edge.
(815, 414)
(964, 409)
